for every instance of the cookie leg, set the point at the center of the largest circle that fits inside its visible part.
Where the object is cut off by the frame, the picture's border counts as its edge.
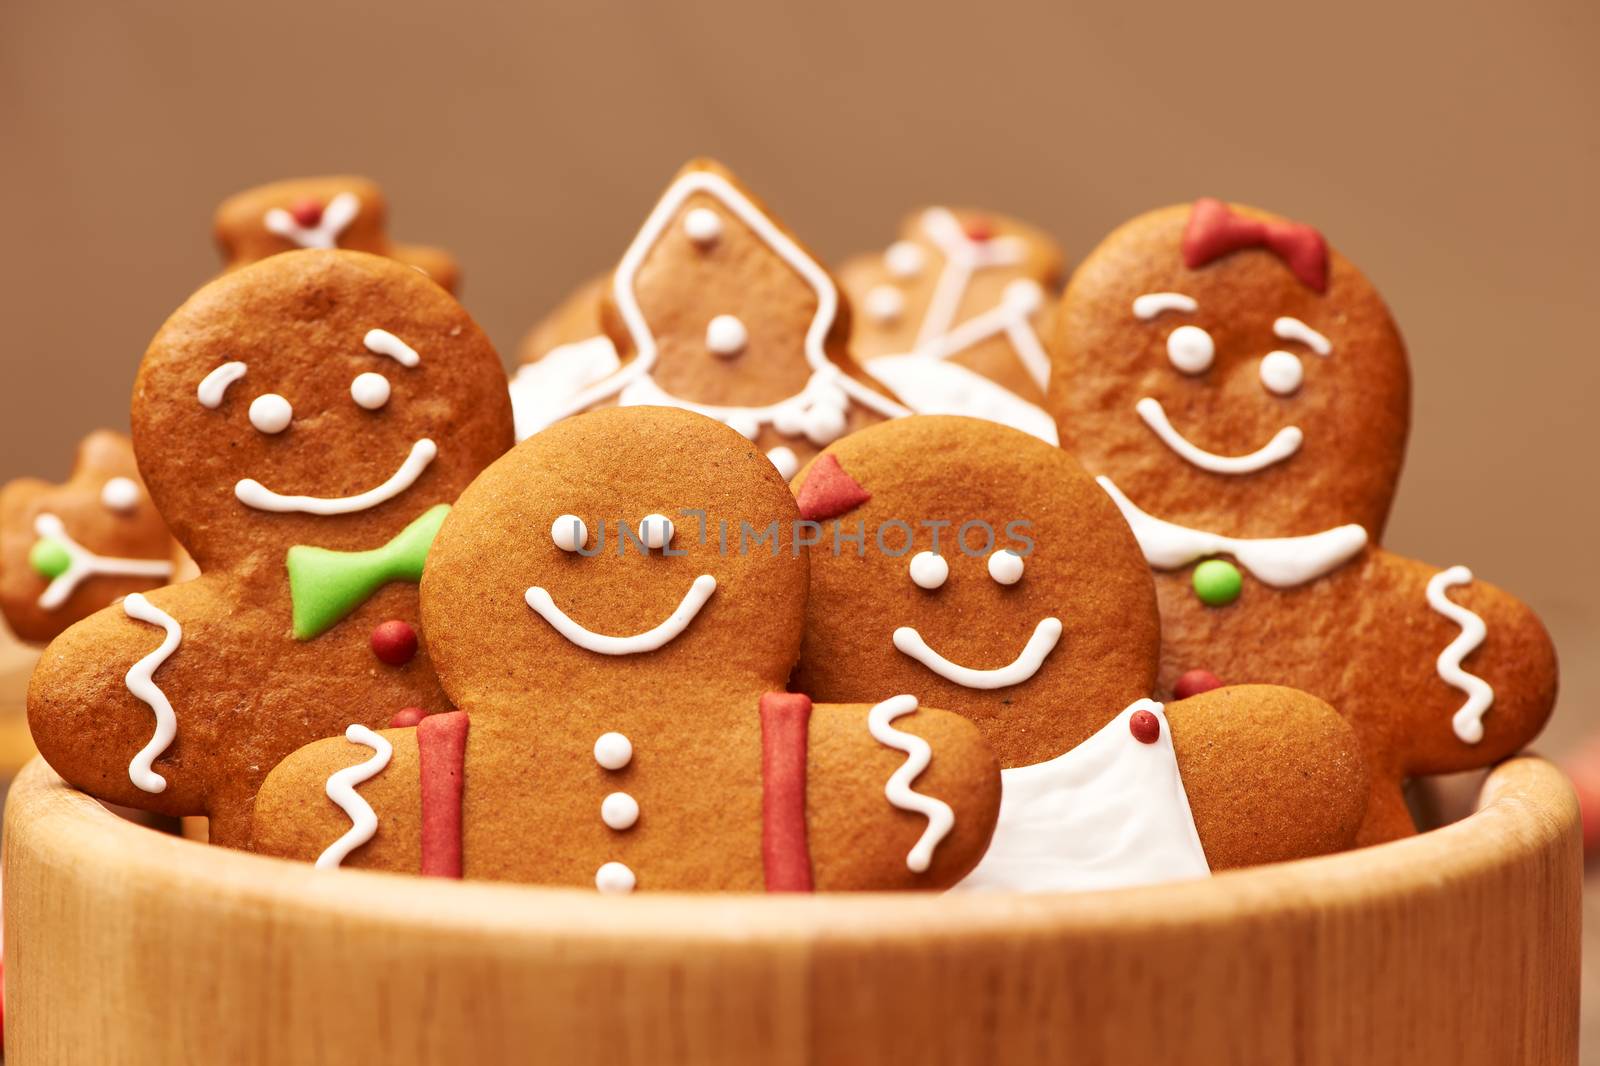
(1271, 774)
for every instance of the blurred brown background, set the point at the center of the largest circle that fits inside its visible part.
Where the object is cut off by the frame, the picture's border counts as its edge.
(1454, 156)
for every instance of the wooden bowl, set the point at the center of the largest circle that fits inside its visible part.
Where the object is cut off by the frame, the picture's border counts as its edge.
(1459, 946)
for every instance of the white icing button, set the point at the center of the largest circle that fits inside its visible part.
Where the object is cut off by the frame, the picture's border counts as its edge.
(619, 811)
(928, 570)
(703, 225)
(370, 390)
(823, 425)
(785, 460)
(570, 533)
(883, 303)
(726, 336)
(904, 259)
(1191, 349)
(1281, 372)
(1005, 566)
(614, 879)
(613, 751)
(120, 494)
(270, 413)
(655, 530)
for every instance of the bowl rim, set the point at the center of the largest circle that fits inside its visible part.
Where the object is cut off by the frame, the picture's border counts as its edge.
(1525, 808)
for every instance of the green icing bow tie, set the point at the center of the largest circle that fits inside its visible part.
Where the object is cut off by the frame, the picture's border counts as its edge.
(325, 585)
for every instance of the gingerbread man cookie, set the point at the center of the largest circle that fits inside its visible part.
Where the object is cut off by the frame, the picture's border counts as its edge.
(1243, 394)
(982, 569)
(716, 308)
(334, 212)
(950, 316)
(615, 607)
(303, 424)
(68, 550)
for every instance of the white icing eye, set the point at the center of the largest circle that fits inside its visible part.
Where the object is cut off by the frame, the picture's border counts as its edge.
(904, 259)
(928, 570)
(883, 303)
(270, 413)
(613, 751)
(702, 225)
(1005, 566)
(1281, 372)
(726, 336)
(569, 532)
(655, 530)
(120, 494)
(370, 390)
(1191, 349)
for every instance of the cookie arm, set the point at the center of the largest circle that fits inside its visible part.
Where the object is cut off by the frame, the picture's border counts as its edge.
(871, 820)
(297, 815)
(1271, 774)
(98, 709)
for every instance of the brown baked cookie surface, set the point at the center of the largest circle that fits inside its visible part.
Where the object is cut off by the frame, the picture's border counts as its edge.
(302, 425)
(621, 680)
(1243, 394)
(951, 316)
(68, 550)
(342, 211)
(996, 579)
(717, 308)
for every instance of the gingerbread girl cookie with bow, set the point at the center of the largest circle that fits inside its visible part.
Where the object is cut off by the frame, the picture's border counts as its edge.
(334, 212)
(716, 308)
(615, 607)
(981, 569)
(303, 425)
(68, 550)
(1242, 392)
(950, 316)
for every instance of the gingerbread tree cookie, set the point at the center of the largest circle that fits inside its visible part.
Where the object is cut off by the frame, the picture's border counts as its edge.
(950, 316)
(615, 606)
(303, 424)
(981, 569)
(68, 550)
(716, 308)
(1243, 394)
(334, 212)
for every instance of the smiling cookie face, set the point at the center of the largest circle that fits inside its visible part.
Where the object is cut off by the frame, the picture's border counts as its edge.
(321, 398)
(535, 585)
(1230, 373)
(1033, 615)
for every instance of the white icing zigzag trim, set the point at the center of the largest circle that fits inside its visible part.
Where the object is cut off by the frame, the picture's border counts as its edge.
(919, 753)
(140, 680)
(1468, 721)
(341, 788)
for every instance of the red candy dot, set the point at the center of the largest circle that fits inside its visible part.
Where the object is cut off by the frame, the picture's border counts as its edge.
(1194, 682)
(979, 229)
(407, 717)
(1145, 727)
(394, 642)
(306, 213)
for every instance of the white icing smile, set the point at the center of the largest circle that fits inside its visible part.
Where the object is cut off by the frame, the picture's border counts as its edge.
(252, 493)
(650, 640)
(1020, 669)
(1283, 444)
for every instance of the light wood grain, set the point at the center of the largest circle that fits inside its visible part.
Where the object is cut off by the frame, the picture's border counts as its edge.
(1456, 947)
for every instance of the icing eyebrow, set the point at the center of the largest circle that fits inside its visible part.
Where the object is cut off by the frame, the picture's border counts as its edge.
(1292, 329)
(215, 384)
(1152, 304)
(382, 342)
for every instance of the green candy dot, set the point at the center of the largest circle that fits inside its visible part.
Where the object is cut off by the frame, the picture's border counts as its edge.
(49, 557)
(1217, 582)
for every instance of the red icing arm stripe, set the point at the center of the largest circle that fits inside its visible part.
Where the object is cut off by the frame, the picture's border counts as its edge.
(442, 750)
(785, 857)
(828, 491)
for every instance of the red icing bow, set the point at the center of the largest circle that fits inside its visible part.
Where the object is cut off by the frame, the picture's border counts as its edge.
(1214, 231)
